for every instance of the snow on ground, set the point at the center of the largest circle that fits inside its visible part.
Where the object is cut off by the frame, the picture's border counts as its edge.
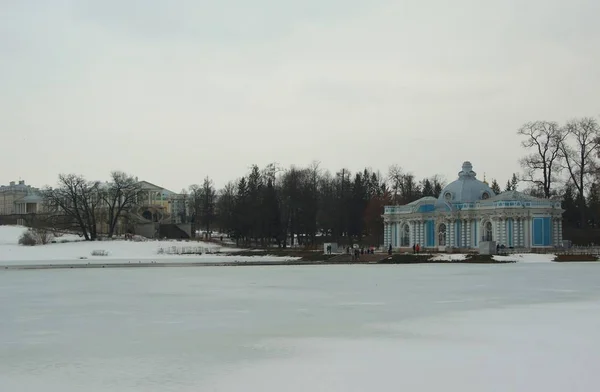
(117, 251)
(519, 257)
(449, 257)
(526, 258)
(9, 235)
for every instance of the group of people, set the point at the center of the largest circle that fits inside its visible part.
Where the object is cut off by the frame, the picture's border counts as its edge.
(416, 249)
(360, 251)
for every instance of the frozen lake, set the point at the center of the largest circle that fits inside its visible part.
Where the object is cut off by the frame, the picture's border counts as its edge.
(513, 327)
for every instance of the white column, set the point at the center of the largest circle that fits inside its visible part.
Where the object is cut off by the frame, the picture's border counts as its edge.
(521, 236)
(388, 239)
(468, 228)
(521, 232)
(455, 233)
(418, 232)
(527, 233)
(450, 233)
(554, 232)
(422, 241)
(560, 237)
(463, 234)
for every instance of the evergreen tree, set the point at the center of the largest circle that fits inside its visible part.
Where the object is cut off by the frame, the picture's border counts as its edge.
(593, 204)
(495, 187)
(271, 219)
(437, 189)
(569, 204)
(357, 207)
(514, 181)
(207, 202)
(226, 209)
(508, 186)
(253, 212)
(427, 188)
(242, 219)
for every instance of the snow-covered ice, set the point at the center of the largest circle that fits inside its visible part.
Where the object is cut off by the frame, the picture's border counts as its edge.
(510, 327)
(77, 251)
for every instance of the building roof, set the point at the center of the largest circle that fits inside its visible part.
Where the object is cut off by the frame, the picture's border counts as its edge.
(466, 189)
(145, 185)
(514, 196)
(31, 198)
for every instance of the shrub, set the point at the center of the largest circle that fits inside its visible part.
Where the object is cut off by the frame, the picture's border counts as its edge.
(34, 237)
(43, 236)
(28, 239)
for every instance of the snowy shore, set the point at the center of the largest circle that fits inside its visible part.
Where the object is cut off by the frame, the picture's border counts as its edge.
(70, 249)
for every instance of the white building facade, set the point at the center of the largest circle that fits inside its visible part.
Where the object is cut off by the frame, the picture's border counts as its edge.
(468, 212)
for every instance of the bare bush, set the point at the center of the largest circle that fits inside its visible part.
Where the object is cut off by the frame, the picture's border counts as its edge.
(34, 237)
(44, 236)
(27, 239)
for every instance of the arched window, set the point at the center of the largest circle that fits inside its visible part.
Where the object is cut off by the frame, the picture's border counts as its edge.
(405, 238)
(488, 232)
(442, 235)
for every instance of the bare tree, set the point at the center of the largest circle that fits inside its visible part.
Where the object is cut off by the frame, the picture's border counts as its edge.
(78, 200)
(540, 167)
(182, 206)
(208, 200)
(270, 172)
(195, 206)
(121, 193)
(396, 179)
(579, 156)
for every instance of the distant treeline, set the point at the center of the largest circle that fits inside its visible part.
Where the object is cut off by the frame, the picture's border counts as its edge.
(308, 205)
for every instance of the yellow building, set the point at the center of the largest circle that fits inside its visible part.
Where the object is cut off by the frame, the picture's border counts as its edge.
(157, 210)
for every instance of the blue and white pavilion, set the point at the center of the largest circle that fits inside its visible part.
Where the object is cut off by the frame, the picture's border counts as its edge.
(468, 212)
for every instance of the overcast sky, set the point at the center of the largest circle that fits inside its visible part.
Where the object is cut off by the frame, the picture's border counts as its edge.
(172, 91)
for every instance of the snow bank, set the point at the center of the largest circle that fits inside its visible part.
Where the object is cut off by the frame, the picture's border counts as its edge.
(9, 235)
(526, 258)
(449, 257)
(519, 257)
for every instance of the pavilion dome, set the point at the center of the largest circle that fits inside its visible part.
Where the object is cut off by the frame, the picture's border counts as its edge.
(465, 189)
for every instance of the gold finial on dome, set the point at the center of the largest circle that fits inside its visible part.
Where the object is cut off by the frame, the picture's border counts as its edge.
(484, 180)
